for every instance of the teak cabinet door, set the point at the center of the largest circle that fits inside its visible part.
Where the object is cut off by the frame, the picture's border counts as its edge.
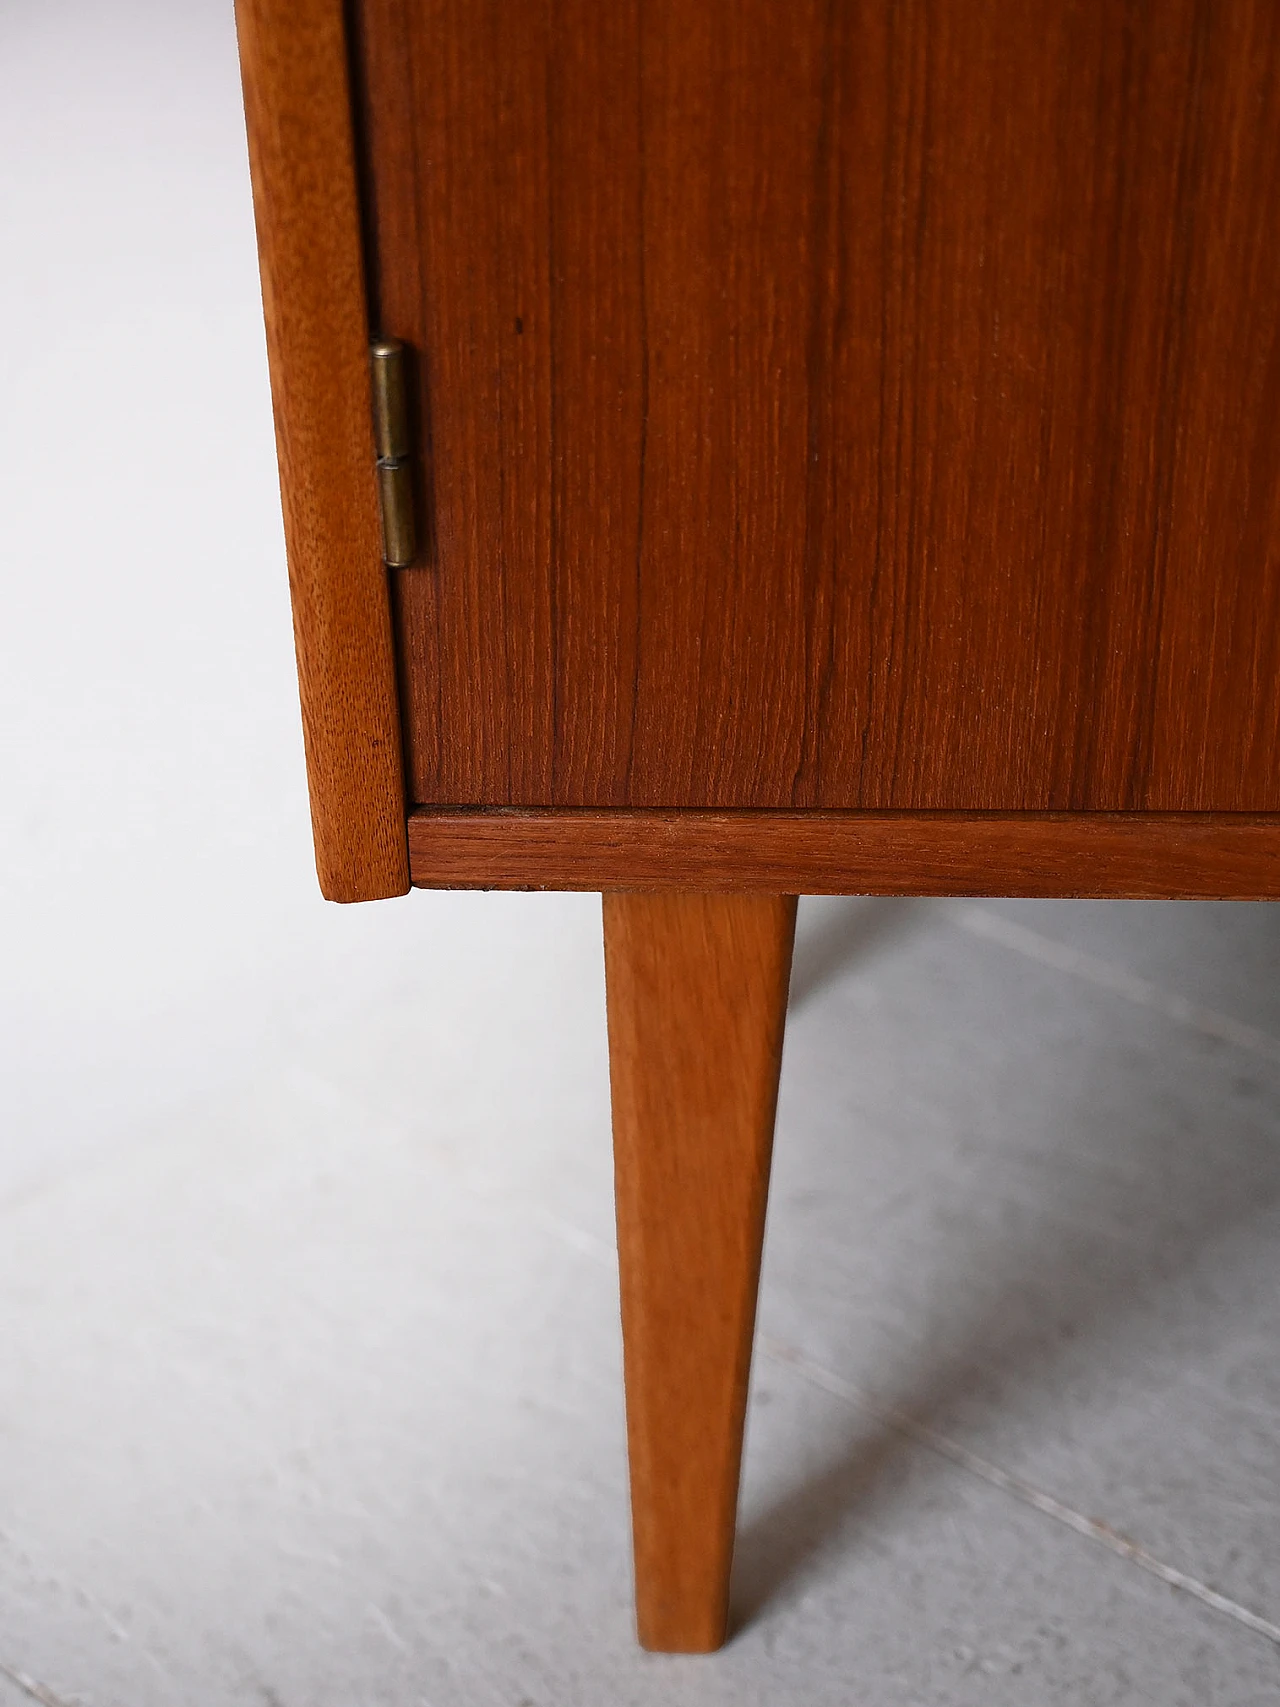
(855, 404)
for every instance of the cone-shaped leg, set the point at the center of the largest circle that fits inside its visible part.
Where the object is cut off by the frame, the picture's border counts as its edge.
(697, 994)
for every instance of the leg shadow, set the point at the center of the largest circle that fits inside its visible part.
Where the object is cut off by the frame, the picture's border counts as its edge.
(1066, 1264)
(835, 932)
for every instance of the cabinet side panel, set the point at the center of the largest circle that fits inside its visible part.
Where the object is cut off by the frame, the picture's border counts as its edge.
(297, 108)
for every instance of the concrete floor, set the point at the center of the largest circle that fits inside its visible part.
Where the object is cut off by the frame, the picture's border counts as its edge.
(309, 1361)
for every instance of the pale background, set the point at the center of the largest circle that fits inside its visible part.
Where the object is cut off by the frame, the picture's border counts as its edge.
(309, 1365)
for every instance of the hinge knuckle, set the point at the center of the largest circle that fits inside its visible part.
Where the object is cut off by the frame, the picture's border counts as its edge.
(394, 450)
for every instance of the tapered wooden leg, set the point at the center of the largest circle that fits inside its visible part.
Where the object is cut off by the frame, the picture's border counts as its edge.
(697, 995)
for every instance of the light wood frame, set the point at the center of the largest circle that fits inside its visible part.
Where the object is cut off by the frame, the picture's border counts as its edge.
(293, 56)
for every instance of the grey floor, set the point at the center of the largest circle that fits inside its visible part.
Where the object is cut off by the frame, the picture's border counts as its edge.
(309, 1359)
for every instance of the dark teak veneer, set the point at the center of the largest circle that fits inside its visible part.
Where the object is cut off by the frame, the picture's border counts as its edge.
(846, 459)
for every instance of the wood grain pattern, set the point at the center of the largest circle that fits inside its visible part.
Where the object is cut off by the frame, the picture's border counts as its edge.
(838, 403)
(297, 107)
(1224, 856)
(697, 995)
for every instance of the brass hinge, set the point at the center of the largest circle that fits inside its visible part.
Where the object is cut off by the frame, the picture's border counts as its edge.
(393, 449)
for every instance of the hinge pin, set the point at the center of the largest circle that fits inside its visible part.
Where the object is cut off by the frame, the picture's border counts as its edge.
(394, 450)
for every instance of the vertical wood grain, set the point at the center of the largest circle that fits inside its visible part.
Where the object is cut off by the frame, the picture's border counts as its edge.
(840, 403)
(293, 58)
(697, 993)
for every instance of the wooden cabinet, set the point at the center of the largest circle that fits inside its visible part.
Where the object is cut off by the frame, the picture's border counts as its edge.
(869, 406)
(846, 457)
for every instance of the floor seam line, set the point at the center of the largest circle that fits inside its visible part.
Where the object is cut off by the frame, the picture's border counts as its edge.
(30, 1686)
(1106, 975)
(1020, 1489)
